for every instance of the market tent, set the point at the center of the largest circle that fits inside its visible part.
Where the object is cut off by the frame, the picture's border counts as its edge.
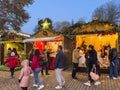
(55, 38)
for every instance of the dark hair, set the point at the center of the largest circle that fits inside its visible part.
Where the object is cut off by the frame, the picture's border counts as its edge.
(60, 47)
(37, 53)
(15, 51)
(108, 46)
(91, 46)
(78, 48)
(9, 48)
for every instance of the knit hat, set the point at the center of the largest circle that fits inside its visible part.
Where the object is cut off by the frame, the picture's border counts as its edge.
(12, 54)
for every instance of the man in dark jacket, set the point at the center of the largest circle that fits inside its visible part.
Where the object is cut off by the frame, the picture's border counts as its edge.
(59, 65)
(113, 63)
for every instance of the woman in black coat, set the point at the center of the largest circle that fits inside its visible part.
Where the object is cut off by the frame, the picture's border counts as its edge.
(92, 60)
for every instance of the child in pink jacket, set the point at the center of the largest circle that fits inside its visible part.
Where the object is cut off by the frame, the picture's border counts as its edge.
(24, 77)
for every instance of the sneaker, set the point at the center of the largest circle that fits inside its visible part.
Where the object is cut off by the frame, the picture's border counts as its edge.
(63, 83)
(88, 84)
(75, 78)
(35, 85)
(109, 77)
(58, 87)
(97, 83)
(41, 86)
(115, 78)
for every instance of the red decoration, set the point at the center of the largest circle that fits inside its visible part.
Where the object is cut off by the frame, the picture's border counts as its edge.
(40, 45)
(11, 36)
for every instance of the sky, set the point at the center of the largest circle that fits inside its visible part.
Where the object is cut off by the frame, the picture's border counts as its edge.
(60, 10)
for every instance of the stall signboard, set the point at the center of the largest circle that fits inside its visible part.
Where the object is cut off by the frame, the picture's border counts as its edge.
(11, 36)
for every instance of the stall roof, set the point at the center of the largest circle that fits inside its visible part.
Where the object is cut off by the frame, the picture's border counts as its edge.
(11, 41)
(43, 39)
(95, 26)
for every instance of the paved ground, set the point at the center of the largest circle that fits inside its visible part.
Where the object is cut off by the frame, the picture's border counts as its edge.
(6, 83)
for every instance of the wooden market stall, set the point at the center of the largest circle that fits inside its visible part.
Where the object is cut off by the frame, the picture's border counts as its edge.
(12, 40)
(100, 34)
(47, 39)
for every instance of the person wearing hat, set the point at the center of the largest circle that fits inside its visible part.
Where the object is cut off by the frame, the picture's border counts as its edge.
(92, 61)
(12, 62)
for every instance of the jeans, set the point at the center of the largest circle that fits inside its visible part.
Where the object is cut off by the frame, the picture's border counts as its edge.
(114, 68)
(36, 72)
(75, 70)
(90, 66)
(59, 76)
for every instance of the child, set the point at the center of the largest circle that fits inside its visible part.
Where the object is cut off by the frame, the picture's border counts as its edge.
(24, 77)
(12, 62)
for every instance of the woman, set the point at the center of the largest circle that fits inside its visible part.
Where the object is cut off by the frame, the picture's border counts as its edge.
(24, 77)
(36, 69)
(92, 60)
(12, 62)
(31, 57)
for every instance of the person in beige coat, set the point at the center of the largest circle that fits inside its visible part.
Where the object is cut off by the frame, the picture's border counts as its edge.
(24, 77)
(75, 61)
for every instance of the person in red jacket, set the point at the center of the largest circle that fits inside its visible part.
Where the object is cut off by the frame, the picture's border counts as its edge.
(12, 62)
(36, 67)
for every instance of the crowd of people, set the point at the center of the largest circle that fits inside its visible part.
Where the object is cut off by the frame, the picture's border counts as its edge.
(93, 64)
(33, 66)
(38, 61)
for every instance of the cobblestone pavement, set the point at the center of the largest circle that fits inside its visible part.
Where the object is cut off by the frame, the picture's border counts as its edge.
(7, 83)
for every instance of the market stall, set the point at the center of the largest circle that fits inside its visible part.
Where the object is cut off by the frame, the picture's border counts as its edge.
(46, 39)
(100, 34)
(12, 40)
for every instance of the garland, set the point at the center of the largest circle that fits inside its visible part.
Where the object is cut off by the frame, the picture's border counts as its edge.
(97, 32)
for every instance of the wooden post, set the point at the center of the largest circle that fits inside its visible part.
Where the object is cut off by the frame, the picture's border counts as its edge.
(25, 51)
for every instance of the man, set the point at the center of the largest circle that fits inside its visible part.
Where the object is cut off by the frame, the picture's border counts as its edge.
(113, 62)
(46, 56)
(59, 65)
(75, 60)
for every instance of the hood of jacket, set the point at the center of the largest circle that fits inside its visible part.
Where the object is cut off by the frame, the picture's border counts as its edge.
(25, 63)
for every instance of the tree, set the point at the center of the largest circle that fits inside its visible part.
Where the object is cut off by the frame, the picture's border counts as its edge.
(108, 12)
(61, 26)
(37, 28)
(79, 23)
(13, 14)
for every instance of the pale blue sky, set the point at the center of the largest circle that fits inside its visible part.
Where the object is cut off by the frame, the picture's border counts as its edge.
(60, 10)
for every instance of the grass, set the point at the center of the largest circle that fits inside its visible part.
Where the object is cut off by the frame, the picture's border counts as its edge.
(4, 67)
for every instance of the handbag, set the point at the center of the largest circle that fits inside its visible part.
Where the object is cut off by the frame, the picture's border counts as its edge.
(41, 62)
(93, 74)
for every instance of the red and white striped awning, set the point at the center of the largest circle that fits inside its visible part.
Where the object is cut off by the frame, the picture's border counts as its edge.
(56, 38)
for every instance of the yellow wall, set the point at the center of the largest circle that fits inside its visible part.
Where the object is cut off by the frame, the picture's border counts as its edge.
(18, 47)
(97, 40)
